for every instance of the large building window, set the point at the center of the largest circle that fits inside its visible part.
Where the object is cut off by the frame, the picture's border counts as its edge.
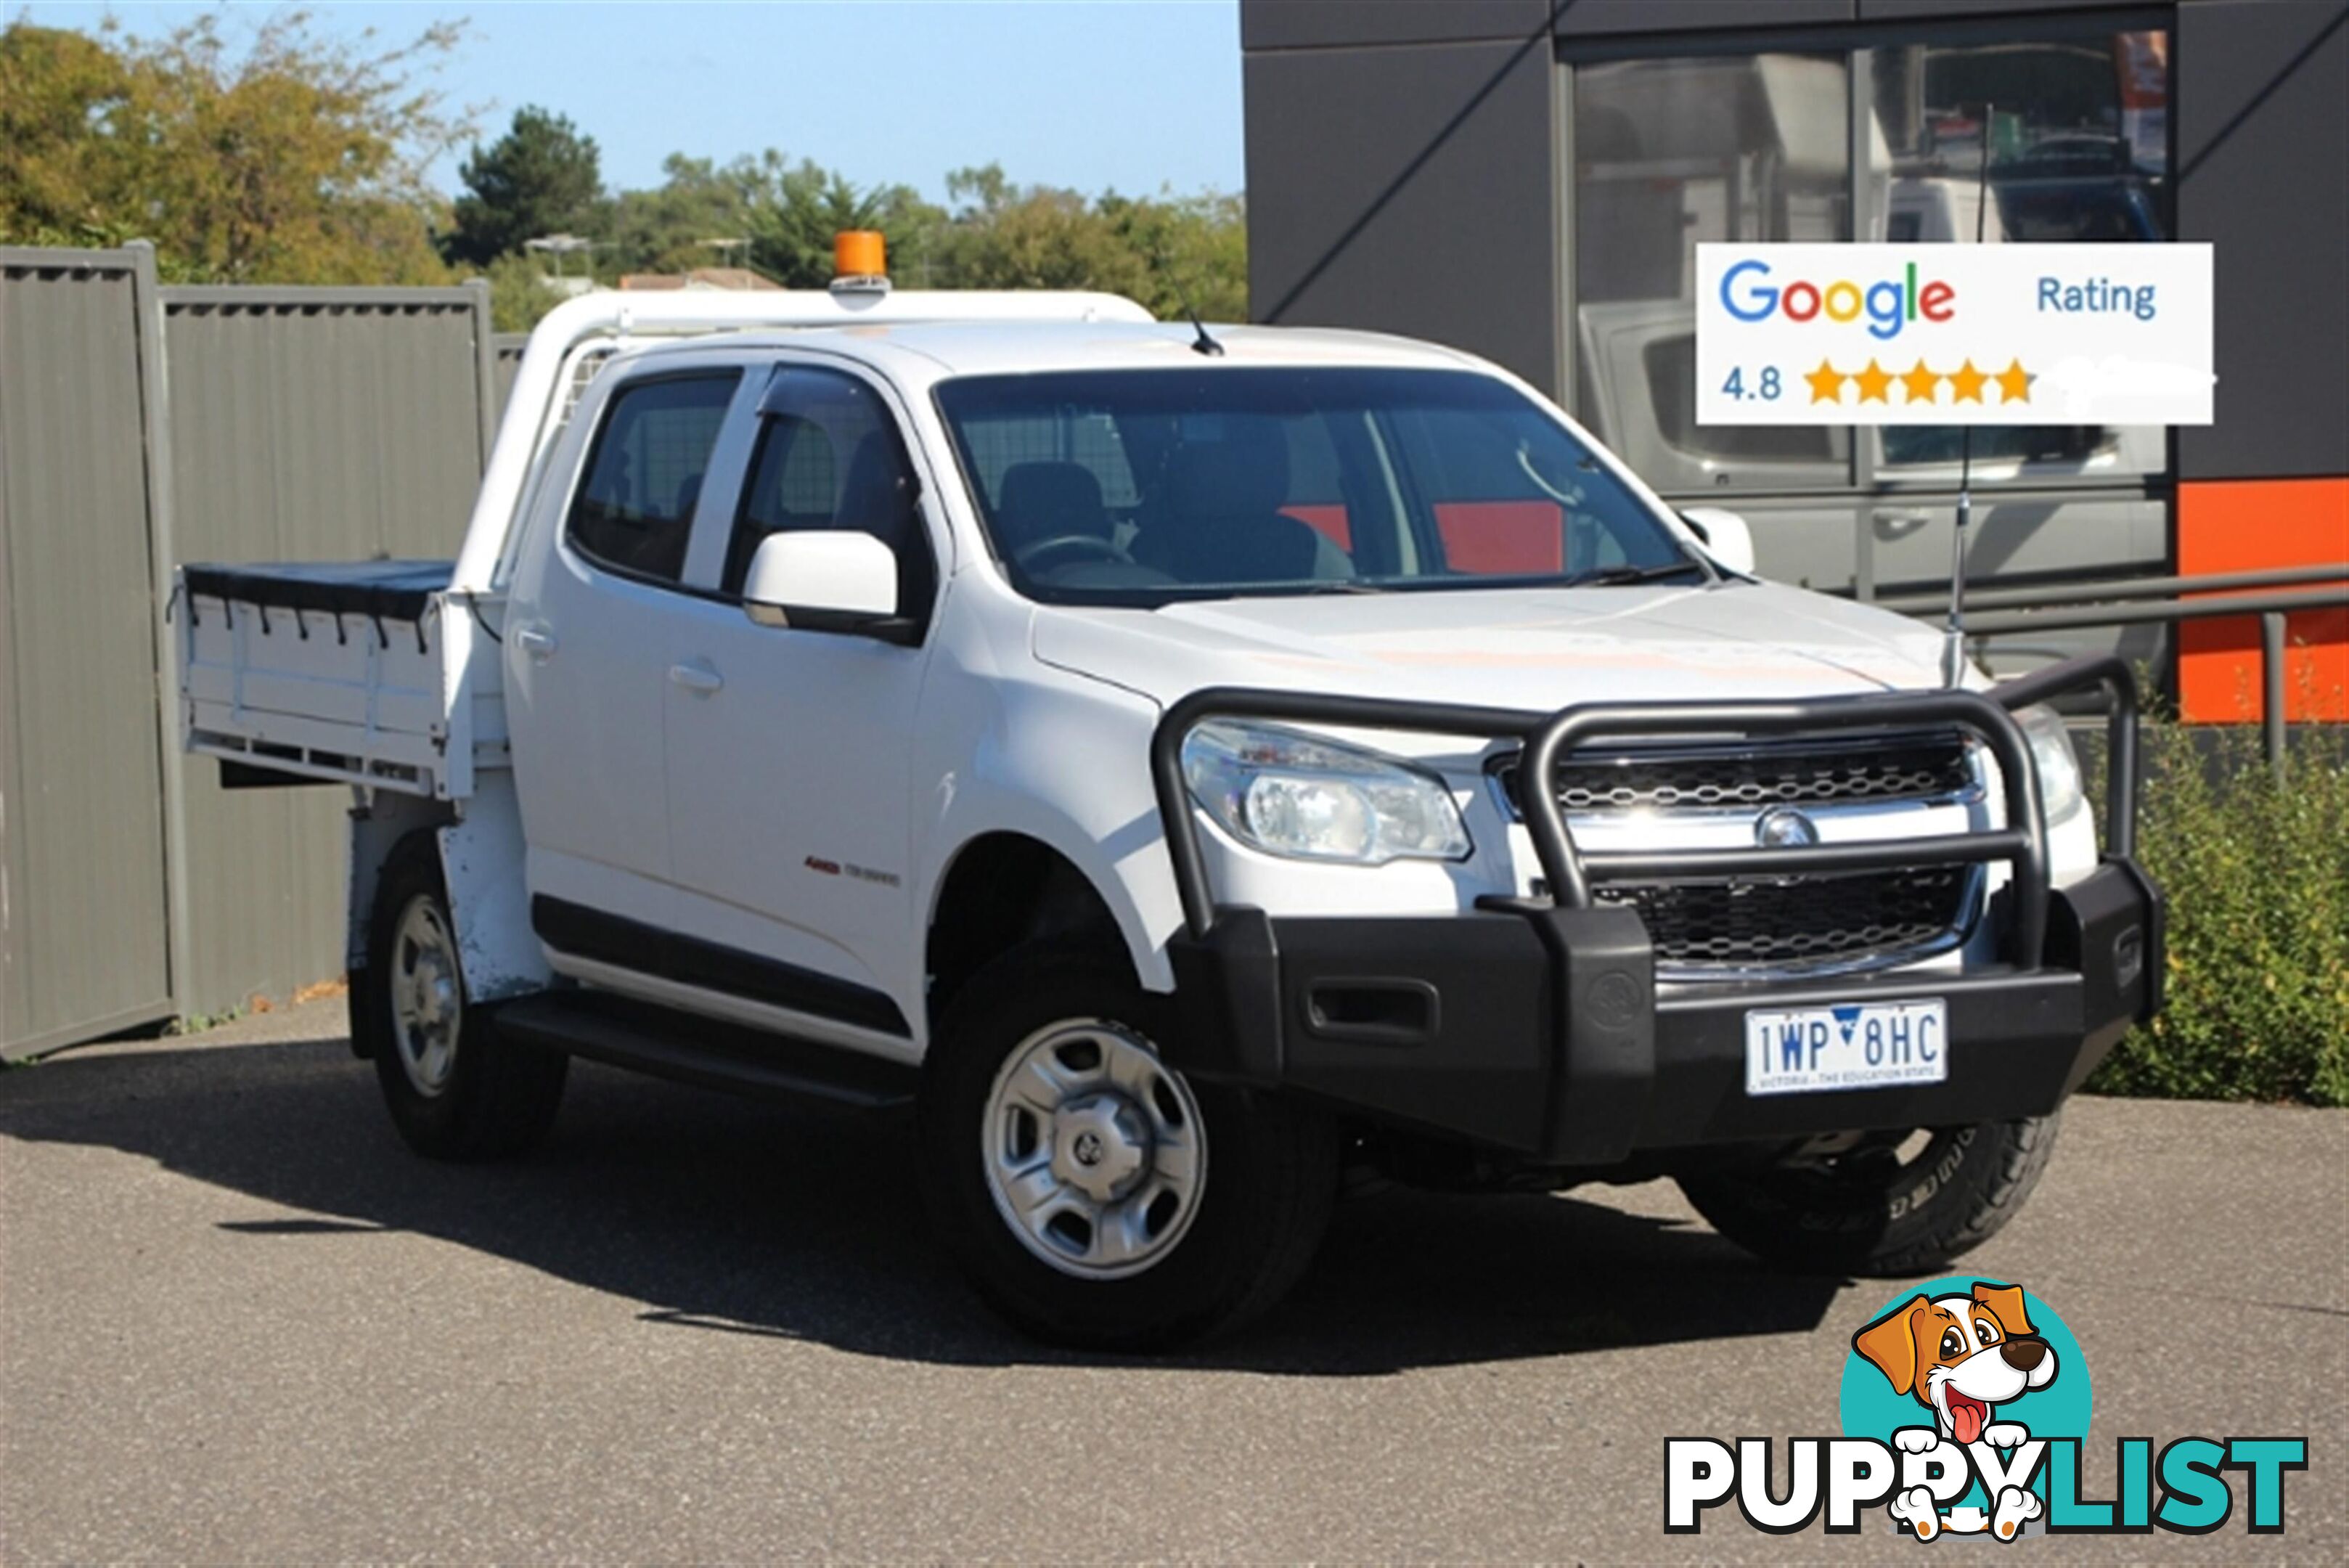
(1884, 141)
(1668, 152)
(2076, 132)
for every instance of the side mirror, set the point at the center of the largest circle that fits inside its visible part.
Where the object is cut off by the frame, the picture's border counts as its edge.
(1725, 535)
(833, 580)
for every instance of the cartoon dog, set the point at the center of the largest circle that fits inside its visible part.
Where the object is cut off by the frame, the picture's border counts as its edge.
(1962, 1356)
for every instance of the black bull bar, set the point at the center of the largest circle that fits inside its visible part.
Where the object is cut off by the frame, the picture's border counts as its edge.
(1560, 1004)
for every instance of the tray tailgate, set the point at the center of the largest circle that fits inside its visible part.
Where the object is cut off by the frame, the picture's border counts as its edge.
(334, 672)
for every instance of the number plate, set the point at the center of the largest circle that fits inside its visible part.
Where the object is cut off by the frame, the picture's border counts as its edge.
(1859, 1046)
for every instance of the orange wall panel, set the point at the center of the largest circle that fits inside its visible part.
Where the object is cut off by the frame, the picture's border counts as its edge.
(2256, 525)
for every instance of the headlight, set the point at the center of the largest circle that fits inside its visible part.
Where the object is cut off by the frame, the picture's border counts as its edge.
(2059, 766)
(1293, 795)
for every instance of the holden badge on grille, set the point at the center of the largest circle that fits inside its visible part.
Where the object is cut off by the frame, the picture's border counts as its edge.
(1783, 827)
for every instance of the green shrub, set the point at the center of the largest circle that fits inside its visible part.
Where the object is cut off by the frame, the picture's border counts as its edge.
(2258, 880)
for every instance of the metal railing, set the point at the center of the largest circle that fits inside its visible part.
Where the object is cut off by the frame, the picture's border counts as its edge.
(2069, 607)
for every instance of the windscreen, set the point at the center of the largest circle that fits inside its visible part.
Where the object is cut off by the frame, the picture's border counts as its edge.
(1140, 487)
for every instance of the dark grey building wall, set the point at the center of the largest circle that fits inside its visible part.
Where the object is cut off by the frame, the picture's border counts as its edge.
(1595, 18)
(2262, 148)
(1933, 10)
(1319, 23)
(1323, 23)
(1402, 176)
(1410, 189)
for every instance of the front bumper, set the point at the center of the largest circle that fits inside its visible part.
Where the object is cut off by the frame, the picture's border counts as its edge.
(1538, 1027)
(1545, 1034)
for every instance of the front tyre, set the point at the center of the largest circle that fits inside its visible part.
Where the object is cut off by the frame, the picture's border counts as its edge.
(1881, 1207)
(1093, 1195)
(455, 1088)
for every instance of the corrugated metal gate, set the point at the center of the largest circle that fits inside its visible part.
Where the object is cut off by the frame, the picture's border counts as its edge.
(306, 424)
(507, 364)
(189, 424)
(84, 929)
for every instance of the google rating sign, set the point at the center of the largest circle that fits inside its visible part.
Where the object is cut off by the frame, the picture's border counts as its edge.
(2023, 333)
(1872, 383)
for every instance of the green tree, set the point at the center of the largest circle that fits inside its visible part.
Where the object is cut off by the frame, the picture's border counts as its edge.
(799, 209)
(287, 159)
(518, 294)
(59, 91)
(1155, 250)
(541, 177)
(1196, 247)
(786, 212)
(664, 229)
(292, 159)
(1036, 236)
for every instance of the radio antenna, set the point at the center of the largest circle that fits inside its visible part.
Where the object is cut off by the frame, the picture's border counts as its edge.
(1953, 651)
(1201, 344)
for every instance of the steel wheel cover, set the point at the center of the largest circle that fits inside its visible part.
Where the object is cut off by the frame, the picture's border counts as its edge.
(1094, 1150)
(428, 995)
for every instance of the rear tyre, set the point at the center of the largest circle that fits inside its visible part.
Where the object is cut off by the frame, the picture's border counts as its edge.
(1092, 1195)
(1868, 1210)
(456, 1089)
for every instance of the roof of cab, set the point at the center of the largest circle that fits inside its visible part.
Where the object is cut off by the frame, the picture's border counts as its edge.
(935, 350)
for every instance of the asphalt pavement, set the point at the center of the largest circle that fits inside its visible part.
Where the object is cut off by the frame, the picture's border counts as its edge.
(240, 1323)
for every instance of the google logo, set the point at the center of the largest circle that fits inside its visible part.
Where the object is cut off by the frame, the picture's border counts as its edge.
(1888, 303)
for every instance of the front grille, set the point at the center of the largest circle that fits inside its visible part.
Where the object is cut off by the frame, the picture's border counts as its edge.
(1858, 919)
(1877, 768)
(1802, 922)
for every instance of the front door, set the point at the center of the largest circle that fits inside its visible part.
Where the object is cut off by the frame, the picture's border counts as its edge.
(790, 750)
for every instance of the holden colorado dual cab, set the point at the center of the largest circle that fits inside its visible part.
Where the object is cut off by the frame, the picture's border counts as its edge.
(1183, 764)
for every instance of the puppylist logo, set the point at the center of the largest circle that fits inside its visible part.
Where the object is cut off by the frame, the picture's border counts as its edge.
(1964, 1404)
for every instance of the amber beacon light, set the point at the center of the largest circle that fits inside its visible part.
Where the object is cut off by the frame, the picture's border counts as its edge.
(859, 260)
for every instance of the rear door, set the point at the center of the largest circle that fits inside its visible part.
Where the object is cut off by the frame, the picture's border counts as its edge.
(591, 634)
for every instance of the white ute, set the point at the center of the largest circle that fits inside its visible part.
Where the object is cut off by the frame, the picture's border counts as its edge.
(1116, 737)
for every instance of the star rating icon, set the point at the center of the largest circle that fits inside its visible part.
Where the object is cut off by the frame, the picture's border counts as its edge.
(1919, 384)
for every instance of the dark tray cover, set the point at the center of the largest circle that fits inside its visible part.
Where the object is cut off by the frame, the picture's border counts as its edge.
(393, 590)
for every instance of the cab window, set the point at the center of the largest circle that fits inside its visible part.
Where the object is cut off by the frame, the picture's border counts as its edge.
(829, 457)
(635, 510)
(1264, 478)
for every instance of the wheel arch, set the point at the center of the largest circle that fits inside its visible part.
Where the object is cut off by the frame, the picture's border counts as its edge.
(1002, 888)
(483, 859)
(482, 856)
(379, 827)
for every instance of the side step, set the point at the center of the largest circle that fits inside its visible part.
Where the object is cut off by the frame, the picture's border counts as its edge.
(691, 1049)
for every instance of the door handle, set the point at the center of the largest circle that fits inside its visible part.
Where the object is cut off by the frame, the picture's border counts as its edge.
(698, 677)
(1905, 520)
(536, 641)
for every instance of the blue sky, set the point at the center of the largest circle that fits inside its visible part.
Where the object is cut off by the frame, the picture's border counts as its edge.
(1130, 94)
